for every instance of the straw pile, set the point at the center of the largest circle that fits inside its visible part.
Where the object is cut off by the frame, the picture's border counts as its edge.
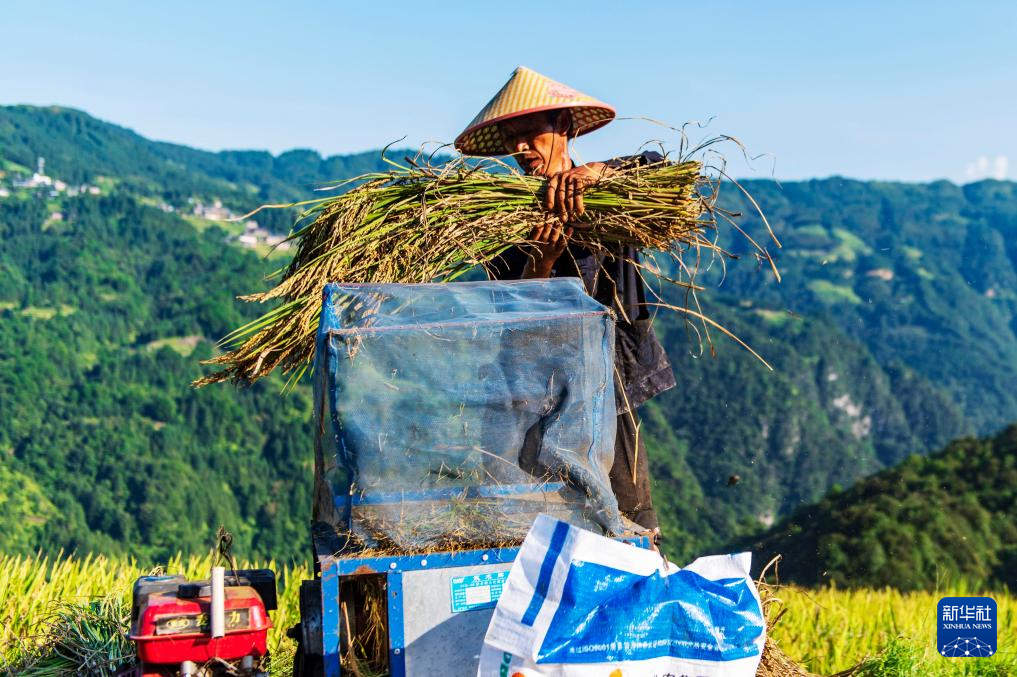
(774, 662)
(418, 223)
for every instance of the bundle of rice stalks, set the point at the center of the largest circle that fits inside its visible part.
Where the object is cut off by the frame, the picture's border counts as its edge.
(419, 223)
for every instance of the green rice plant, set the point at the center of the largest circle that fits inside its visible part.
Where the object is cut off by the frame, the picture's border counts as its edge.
(900, 658)
(81, 638)
(423, 224)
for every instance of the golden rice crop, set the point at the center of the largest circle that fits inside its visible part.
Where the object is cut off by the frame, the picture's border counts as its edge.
(827, 630)
(888, 631)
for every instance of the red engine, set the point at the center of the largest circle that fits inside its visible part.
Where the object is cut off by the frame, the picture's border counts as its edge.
(173, 621)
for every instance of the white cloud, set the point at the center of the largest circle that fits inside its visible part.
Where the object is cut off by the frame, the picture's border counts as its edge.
(985, 168)
(999, 167)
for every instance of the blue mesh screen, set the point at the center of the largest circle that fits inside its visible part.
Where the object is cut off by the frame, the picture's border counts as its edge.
(453, 414)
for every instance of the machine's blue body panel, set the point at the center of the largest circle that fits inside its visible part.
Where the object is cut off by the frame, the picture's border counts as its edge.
(333, 568)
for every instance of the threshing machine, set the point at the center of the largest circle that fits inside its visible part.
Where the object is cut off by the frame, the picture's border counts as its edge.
(447, 417)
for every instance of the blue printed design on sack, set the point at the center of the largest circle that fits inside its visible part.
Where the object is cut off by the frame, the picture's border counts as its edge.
(561, 531)
(608, 615)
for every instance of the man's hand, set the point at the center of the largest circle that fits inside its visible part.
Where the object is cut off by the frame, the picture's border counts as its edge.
(564, 197)
(549, 242)
(563, 204)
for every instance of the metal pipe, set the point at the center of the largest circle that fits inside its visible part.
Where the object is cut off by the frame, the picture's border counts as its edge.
(218, 610)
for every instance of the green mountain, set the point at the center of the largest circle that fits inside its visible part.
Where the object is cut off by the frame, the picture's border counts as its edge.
(881, 348)
(735, 446)
(922, 274)
(949, 515)
(892, 333)
(79, 148)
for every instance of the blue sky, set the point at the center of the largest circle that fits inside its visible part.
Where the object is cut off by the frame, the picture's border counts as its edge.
(889, 90)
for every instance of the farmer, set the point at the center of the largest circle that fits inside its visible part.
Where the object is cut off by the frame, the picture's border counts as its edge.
(533, 118)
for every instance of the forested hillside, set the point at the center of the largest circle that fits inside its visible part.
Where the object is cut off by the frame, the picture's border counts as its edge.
(103, 445)
(736, 446)
(932, 520)
(892, 333)
(923, 274)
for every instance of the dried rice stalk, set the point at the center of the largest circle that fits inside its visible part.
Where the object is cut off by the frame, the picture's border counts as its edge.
(422, 224)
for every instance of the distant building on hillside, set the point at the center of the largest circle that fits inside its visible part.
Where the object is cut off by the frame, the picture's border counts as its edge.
(215, 212)
(38, 179)
(884, 274)
(254, 235)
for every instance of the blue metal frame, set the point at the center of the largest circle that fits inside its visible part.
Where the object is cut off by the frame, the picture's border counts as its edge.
(333, 568)
(331, 623)
(396, 636)
(352, 566)
(444, 493)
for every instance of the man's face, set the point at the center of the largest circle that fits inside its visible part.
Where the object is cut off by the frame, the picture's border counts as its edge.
(538, 141)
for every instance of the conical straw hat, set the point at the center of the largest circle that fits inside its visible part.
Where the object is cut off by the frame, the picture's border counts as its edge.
(527, 92)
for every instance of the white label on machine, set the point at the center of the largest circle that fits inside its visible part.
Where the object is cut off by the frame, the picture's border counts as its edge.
(477, 592)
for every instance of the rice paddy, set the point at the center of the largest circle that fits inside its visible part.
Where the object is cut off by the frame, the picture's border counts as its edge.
(891, 633)
(60, 609)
